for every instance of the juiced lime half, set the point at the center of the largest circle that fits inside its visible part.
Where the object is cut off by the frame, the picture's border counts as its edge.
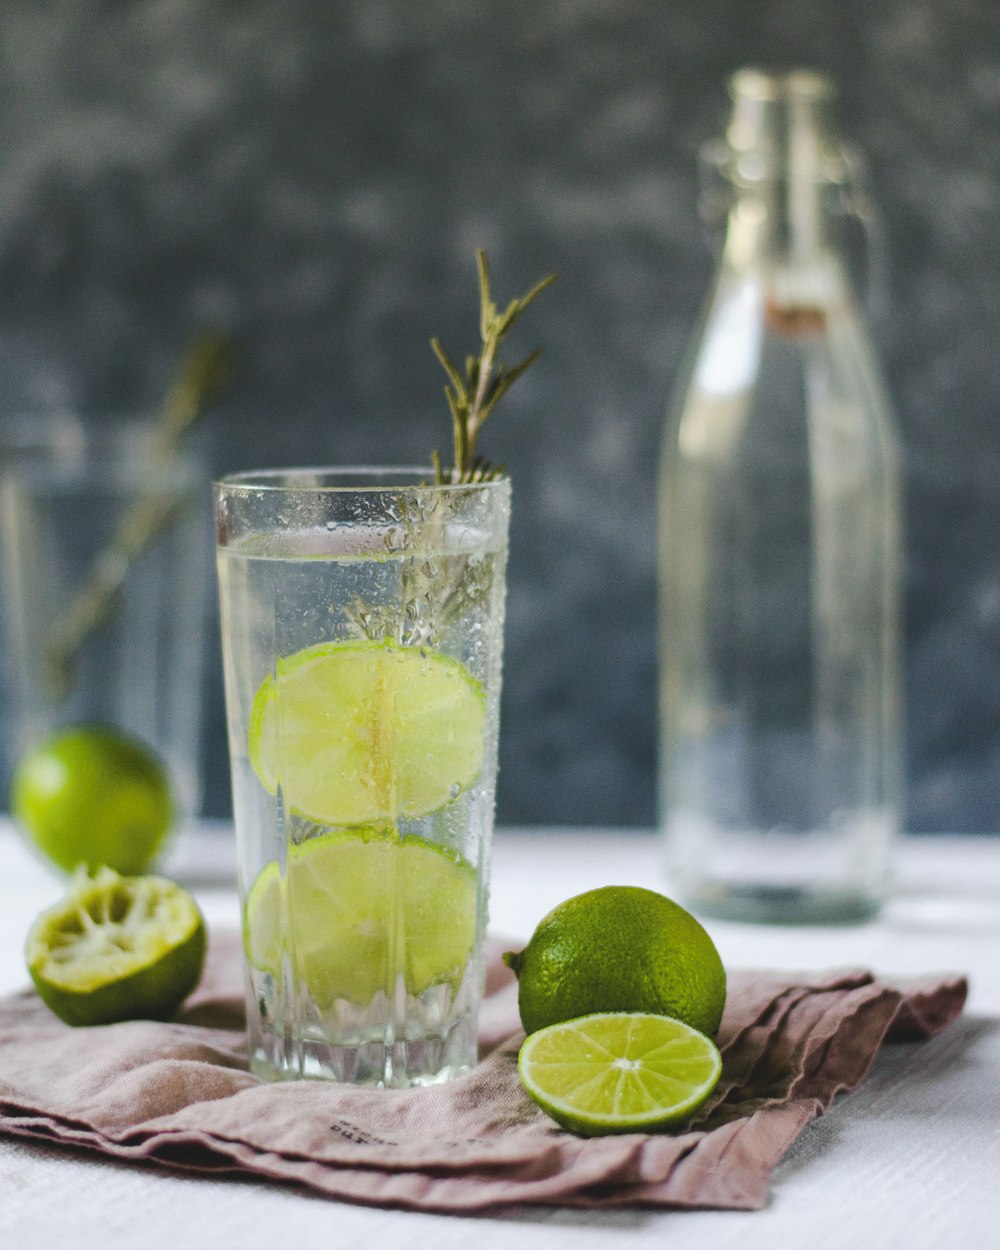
(355, 910)
(117, 948)
(619, 1072)
(359, 733)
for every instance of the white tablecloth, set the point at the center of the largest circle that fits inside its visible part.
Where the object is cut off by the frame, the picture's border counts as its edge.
(912, 1159)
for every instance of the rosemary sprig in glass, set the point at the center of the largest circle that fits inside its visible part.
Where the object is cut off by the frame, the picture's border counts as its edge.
(435, 593)
(472, 396)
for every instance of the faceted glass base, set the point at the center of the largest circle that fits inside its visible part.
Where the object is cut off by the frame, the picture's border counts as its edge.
(378, 1063)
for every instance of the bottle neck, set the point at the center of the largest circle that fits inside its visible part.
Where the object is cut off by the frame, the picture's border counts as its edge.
(779, 160)
(781, 246)
(779, 222)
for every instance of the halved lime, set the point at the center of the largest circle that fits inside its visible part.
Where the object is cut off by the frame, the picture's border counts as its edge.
(359, 733)
(354, 909)
(619, 1072)
(117, 948)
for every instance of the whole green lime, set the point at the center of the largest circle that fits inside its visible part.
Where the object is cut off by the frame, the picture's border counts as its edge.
(619, 948)
(89, 795)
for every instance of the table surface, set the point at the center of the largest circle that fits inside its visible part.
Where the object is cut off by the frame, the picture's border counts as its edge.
(910, 1159)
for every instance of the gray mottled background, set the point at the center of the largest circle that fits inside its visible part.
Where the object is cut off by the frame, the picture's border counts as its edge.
(316, 176)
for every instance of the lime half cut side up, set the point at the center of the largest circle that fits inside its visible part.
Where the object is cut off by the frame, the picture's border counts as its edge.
(361, 733)
(619, 1072)
(117, 948)
(355, 910)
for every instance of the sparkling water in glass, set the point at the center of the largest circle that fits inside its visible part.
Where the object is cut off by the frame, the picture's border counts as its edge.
(362, 617)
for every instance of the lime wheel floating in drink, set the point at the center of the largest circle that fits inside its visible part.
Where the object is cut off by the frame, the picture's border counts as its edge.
(360, 733)
(353, 907)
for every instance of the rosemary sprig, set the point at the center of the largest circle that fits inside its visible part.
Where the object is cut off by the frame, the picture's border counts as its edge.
(438, 587)
(472, 396)
(202, 372)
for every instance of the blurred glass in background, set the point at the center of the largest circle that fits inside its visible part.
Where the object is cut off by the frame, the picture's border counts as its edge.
(104, 560)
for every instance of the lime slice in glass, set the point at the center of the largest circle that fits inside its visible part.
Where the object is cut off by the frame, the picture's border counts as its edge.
(262, 920)
(359, 733)
(364, 908)
(619, 1072)
(117, 948)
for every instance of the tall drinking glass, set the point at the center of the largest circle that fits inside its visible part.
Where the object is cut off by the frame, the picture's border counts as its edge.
(362, 619)
(104, 565)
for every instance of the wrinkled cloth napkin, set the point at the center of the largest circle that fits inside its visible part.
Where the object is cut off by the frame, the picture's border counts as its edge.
(179, 1094)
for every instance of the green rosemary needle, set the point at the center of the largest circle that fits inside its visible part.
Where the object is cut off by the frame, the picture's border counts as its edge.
(474, 394)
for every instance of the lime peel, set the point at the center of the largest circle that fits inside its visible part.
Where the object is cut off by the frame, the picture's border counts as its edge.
(619, 1072)
(619, 948)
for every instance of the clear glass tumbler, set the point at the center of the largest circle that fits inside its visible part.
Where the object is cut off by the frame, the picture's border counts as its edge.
(362, 620)
(105, 575)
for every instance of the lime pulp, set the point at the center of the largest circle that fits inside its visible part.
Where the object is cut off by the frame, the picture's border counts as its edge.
(619, 1072)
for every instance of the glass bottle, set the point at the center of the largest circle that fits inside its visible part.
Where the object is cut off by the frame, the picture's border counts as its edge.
(780, 777)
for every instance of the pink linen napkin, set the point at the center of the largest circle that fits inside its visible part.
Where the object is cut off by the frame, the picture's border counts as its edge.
(179, 1094)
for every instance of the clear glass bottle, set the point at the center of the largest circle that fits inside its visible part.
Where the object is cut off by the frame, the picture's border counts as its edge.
(780, 776)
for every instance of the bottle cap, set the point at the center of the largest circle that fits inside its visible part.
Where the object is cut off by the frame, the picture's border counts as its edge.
(778, 128)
